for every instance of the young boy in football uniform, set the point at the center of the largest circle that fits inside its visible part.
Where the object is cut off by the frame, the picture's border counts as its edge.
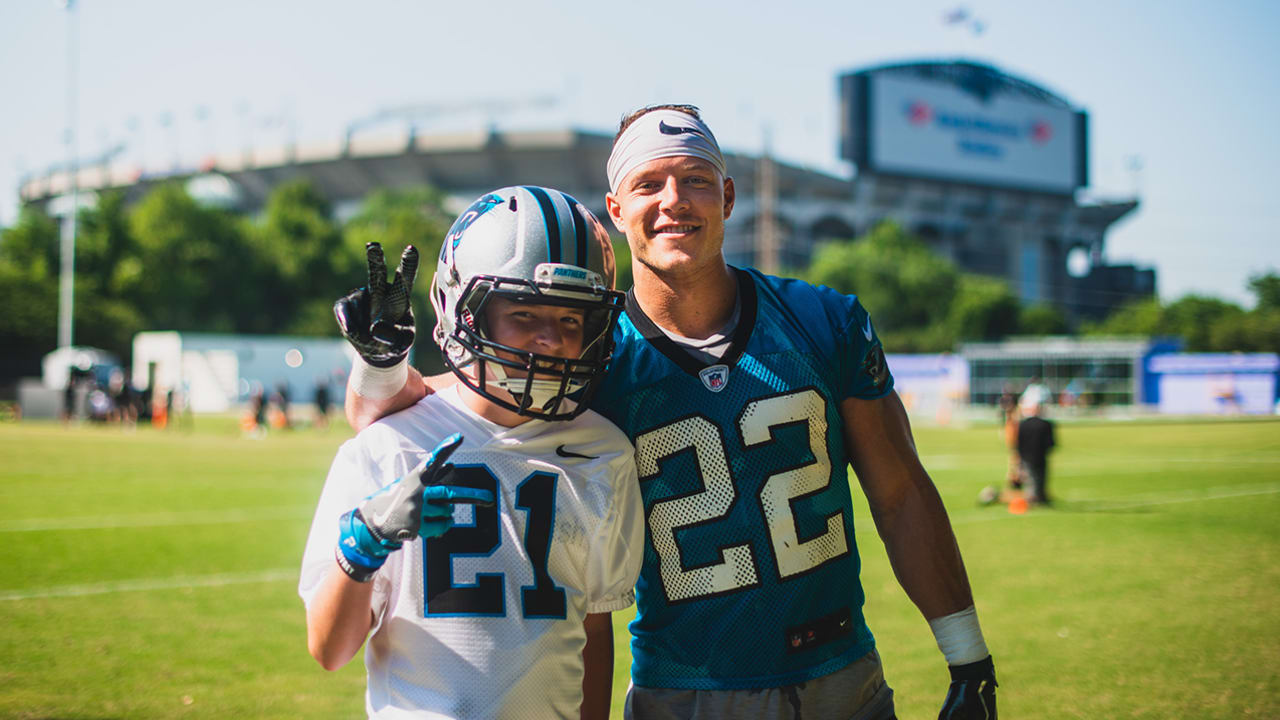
(483, 572)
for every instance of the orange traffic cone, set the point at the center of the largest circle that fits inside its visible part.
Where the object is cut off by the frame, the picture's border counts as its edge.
(1018, 504)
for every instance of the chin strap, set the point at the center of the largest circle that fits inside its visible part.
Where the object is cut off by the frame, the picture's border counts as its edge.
(540, 391)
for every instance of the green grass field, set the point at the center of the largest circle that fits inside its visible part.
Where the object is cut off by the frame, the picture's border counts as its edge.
(152, 575)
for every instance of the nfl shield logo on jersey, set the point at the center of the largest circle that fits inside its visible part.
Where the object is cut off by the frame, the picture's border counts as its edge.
(715, 377)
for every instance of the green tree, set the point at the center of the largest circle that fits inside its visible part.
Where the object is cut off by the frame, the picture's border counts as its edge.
(104, 243)
(920, 301)
(397, 218)
(194, 270)
(1194, 317)
(1263, 322)
(29, 281)
(984, 309)
(1264, 328)
(1042, 319)
(302, 255)
(1144, 317)
(29, 292)
(105, 250)
(903, 283)
(1266, 289)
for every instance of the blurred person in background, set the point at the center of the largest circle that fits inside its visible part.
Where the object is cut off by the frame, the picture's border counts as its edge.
(1035, 441)
(1009, 419)
(280, 397)
(1036, 392)
(125, 410)
(321, 399)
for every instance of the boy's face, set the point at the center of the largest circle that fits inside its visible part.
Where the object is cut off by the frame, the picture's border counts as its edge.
(544, 329)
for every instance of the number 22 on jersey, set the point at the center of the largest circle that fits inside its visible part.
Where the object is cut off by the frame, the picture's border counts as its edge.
(737, 568)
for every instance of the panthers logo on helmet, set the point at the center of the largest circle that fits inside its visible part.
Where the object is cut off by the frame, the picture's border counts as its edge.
(470, 215)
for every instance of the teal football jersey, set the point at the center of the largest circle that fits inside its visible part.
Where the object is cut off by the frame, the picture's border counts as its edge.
(750, 575)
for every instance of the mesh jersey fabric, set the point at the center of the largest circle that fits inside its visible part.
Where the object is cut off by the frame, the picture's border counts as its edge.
(750, 575)
(486, 621)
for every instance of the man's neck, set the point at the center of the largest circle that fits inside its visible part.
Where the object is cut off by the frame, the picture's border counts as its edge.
(694, 305)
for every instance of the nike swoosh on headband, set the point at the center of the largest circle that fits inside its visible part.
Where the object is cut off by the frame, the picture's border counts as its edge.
(666, 129)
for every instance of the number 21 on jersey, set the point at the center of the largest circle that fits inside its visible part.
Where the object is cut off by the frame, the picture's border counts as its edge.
(535, 495)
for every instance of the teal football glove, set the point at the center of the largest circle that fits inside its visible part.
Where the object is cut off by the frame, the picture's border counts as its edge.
(416, 505)
(972, 695)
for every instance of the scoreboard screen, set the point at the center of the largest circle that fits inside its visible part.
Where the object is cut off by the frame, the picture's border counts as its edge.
(934, 127)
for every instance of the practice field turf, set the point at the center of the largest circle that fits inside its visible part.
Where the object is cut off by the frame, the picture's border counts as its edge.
(152, 574)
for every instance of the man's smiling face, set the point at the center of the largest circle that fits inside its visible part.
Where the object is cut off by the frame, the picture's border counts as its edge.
(673, 212)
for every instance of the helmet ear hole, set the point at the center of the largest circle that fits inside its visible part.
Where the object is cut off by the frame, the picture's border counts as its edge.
(511, 205)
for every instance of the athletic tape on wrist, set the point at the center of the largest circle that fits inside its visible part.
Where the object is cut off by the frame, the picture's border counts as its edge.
(960, 637)
(378, 383)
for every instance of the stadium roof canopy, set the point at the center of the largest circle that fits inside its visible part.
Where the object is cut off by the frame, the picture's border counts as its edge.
(465, 164)
(980, 79)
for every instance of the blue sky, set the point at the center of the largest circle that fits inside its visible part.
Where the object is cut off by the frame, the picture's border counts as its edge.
(1188, 88)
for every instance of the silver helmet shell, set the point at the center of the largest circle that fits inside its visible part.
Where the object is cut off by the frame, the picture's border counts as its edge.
(534, 245)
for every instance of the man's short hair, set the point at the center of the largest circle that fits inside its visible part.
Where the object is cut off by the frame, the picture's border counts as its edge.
(637, 114)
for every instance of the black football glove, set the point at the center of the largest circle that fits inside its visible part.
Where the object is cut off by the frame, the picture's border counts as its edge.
(972, 695)
(378, 319)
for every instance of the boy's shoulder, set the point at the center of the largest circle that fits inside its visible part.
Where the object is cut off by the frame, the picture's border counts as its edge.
(408, 425)
(591, 421)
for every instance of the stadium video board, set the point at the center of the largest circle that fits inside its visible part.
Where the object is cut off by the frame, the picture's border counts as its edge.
(897, 123)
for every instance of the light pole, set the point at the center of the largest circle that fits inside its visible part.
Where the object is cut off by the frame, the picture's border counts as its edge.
(767, 251)
(66, 277)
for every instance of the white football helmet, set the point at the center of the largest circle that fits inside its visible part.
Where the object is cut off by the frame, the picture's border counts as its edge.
(532, 245)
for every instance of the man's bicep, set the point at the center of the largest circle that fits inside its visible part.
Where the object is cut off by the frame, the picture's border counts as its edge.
(880, 447)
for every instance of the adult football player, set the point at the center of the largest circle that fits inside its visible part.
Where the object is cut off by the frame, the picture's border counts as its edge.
(747, 397)
(482, 573)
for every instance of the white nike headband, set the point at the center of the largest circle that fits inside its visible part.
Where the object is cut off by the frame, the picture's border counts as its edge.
(660, 134)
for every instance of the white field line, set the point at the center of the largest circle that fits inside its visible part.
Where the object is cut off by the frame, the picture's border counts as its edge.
(1122, 503)
(194, 517)
(1088, 464)
(151, 584)
(1146, 500)
(280, 574)
(1185, 496)
(1151, 462)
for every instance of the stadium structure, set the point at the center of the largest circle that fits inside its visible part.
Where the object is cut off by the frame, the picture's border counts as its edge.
(983, 166)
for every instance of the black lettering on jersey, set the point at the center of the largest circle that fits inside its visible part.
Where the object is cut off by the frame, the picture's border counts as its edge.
(536, 496)
(442, 595)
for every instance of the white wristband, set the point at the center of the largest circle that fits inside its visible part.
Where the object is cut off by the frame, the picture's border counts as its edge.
(378, 383)
(959, 637)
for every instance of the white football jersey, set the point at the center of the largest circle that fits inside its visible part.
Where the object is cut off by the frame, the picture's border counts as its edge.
(486, 621)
